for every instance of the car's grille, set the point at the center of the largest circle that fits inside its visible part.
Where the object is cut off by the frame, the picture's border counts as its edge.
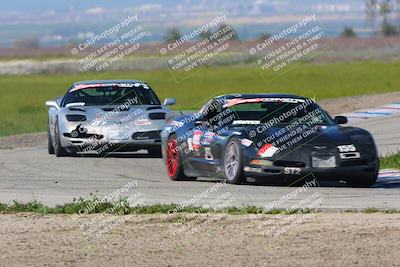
(152, 135)
(284, 163)
(85, 136)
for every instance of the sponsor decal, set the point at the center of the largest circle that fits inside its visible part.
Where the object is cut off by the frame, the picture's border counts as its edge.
(246, 142)
(291, 170)
(237, 101)
(249, 122)
(122, 85)
(196, 140)
(208, 138)
(347, 148)
(142, 122)
(267, 151)
(348, 152)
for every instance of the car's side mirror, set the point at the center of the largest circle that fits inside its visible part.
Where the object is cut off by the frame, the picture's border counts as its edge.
(341, 119)
(59, 100)
(169, 101)
(52, 104)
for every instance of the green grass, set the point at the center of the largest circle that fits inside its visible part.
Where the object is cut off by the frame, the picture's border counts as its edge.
(376, 210)
(373, 210)
(391, 161)
(122, 207)
(22, 97)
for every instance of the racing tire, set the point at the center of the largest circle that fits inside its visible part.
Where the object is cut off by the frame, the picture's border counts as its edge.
(233, 162)
(50, 147)
(59, 151)
(174, 161)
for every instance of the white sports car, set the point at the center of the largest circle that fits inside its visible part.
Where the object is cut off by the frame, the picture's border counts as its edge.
(106, 116)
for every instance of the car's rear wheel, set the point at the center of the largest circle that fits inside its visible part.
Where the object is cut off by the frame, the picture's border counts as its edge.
(174, 161)
(58, 149)
(233, 162)
(50, 147)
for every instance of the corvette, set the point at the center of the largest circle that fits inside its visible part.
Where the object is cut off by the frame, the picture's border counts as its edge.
(267, 136)
(120, 115)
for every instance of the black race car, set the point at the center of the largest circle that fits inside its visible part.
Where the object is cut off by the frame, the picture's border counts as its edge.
(264, 136)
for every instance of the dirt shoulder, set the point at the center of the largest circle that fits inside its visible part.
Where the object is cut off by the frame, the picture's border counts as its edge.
(352, 103)
(23, 140)
(333, 106)
(329, 239)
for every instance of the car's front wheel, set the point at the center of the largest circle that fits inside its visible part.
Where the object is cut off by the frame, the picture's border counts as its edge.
(174, 161)
(59, 151)
(50, 147)
(233, 162)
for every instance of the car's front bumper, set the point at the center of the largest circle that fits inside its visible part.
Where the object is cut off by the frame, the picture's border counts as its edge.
(331, 174)
(110, 141)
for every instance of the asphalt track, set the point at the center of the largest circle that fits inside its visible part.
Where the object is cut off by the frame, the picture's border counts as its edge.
(28, 174)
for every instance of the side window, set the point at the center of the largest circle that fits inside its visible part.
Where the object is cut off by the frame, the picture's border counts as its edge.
(212, 110)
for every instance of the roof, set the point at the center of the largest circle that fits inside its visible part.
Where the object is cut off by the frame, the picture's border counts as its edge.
(107, 81)
(232, 96)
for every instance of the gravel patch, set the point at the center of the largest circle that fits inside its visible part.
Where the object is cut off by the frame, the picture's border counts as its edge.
(23, 140)
(324, 239)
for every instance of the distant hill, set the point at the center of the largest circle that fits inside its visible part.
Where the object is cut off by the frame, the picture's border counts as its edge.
(58, 22)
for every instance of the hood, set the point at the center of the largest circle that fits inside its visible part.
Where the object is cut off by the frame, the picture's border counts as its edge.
(315, 135)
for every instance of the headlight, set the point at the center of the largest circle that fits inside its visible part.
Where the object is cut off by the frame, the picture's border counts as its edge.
(76, 117)
(261, 162)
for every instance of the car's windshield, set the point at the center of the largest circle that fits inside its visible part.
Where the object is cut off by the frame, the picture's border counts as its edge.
(304, 112)
(111, 95)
